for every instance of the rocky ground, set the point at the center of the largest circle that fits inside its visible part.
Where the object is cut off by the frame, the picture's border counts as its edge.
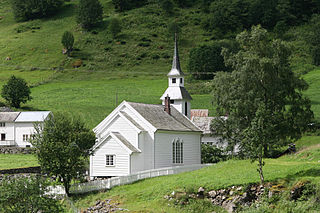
(104, 206)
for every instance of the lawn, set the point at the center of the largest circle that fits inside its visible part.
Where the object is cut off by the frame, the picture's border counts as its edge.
(12, 161)
(147, 195)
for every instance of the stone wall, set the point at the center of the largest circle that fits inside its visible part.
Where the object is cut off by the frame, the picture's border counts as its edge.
(35, 169)
(15, 150)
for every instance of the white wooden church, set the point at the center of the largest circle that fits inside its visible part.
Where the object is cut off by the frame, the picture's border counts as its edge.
(138, 136)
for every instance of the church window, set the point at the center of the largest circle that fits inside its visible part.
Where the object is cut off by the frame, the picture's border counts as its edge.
(186, 109)
(110, 160)
(174, 80)
(181, 80)
(2, 124)
(177, 151)
(171, 101)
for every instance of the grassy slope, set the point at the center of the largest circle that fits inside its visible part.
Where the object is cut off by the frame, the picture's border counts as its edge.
(147, 195)
(10, 161)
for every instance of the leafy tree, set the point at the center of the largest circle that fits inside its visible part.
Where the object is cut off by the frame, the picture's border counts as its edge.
(206, 60)
(167, 6)
(114, 27)
(173, 29)
(89, 13)
(26, 194)
(67, 41)
(16, 91)
(24, 10)
(62, 147)
(314, 40)
(261, 96)
(211, 154)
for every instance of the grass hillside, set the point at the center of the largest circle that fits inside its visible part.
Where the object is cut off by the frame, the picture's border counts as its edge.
(147, 195)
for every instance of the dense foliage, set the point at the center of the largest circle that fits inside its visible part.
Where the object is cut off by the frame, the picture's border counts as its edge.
(261, 96)
(62, 146)
(211, 154)
(236, 15)
(89, 13)
(114, 27)
(314, 40)
(26, 194)
(16, 91)
(206, 60)
(123, 5)
(67, 41)
(33, 9)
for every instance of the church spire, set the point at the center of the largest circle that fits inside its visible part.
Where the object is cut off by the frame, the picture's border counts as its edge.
(176, 69)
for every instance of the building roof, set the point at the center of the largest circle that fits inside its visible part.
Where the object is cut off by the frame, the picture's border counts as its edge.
(177, 93)
(203, 123)
(176, 69)
(161, 120)
(199, 113)
(6, 109)
(132, 120)
(35, 116)
(126, 142)
(8, 116)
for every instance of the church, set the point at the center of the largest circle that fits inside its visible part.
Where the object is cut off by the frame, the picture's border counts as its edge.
(136, 136)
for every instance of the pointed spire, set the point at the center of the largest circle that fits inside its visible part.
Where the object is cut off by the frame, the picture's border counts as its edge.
(176, 69)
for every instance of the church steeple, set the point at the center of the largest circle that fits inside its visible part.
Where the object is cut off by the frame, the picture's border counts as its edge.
(176, 69)
(179, 96)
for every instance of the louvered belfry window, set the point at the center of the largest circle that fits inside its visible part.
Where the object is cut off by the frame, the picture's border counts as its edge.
(177, 151)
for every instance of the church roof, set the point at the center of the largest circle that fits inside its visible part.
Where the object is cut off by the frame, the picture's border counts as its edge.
(161, 120)
(125, 142)
(177, 93)
(34, 116)
(176, 69)
(8, 116)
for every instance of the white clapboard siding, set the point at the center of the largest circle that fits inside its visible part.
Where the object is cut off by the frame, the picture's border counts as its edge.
(23, 129)
(98, 162)
(163, 148)
(121, 125)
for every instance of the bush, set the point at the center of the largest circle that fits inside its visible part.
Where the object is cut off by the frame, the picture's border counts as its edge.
(89, 13)
(16, 91)
(114, 27)
(26, 194)
(211, 154)
(314, 40)
(25, 10)
(123, 5)
(67, 41)
(207, 59)
(167, 6)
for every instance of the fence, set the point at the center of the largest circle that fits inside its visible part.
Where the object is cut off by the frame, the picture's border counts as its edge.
(116, 181)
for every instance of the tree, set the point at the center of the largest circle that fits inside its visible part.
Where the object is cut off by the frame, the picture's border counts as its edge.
(27, 194)
(314, 40)
(25, 10)
(114, 27)
(173, 29)
(211, 154)
(167, 6)
(123, 5)
(262, 97)
(89, 13)
(67, 41)
(206, 60)
(62, 146)
(16, 91)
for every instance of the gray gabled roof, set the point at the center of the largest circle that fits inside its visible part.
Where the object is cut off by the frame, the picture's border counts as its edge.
(125, 142)
(132, 120)
(161, 120)
(8, 116)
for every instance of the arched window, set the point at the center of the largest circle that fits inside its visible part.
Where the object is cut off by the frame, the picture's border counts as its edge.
(177, 151)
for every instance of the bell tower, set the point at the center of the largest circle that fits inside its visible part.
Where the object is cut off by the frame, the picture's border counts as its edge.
(179, 96)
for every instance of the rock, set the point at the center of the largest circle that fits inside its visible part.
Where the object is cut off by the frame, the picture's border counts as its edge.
(200, 193)
(239, 188)
(64, 51)
(173, 193)
(229, 206)
(212, 194)
(8, 58)
(231, 193)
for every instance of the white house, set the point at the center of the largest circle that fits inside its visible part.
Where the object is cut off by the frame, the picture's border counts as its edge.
(16, 128)
(137, 136)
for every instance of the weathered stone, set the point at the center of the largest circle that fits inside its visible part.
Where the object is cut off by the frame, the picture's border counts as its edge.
(200, 193)
(212, 194)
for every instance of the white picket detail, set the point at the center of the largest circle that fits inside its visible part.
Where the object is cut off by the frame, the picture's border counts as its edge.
(97, 185)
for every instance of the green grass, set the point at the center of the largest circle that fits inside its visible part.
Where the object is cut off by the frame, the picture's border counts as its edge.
(147, 195)
(313, 79)
(12, 161)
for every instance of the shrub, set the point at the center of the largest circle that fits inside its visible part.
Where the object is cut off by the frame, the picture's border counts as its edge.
(26, 194)
(67, 41)
(167, 6)
(211, 154)
(114, 27)
(25, 10)
(89, 13)
(314, 40)
(16, 91)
